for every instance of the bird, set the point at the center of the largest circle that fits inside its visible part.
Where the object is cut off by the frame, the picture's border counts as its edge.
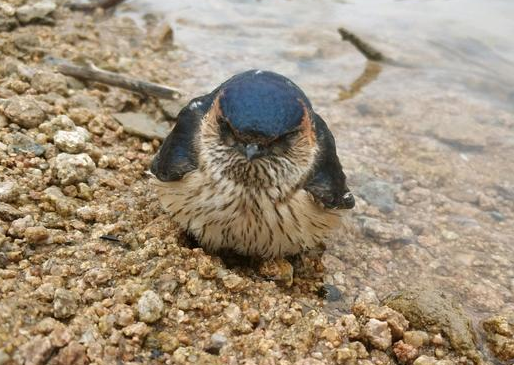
(251, 168)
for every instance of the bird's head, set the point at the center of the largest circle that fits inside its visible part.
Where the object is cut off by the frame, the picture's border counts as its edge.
(259, 130)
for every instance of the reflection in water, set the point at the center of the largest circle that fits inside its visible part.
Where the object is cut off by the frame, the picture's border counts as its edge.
(369, 74)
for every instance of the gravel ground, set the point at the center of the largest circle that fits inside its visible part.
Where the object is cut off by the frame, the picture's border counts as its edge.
(93, 271)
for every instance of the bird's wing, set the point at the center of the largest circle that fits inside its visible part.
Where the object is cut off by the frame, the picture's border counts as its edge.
(178, 154)
(327, 182)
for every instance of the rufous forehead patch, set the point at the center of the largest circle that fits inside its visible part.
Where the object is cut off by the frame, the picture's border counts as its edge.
(215, 110)
(306, 125)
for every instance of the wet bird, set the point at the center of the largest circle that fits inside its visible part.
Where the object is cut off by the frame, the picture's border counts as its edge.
(252, 168)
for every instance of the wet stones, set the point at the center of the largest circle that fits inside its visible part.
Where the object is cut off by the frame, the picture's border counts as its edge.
(351, 326)
(416, 338)
(351, 354)
(24, 111)
(395, 320)
(72, 169)
(378, 334)
(434, 311)
(404, 352)
(500, 336)
(330, 293)
(461, 134)
(379, 194)
(384, 232)
(150, 307)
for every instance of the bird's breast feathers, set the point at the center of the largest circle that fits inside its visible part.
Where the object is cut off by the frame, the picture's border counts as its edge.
(256, 222)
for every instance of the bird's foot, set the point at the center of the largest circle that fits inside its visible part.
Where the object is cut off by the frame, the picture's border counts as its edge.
(278, 270)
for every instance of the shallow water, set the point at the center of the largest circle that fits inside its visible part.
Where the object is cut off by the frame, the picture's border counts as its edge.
(460, 44)
(436, 125)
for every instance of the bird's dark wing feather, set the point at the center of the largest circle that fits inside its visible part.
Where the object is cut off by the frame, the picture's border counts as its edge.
(178, 155)
(327, 182)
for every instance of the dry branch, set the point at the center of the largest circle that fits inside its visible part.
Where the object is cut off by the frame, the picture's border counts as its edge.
(93, 73)
(365, 48)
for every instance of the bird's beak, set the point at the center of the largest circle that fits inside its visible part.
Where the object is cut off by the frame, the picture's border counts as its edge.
(252, 151)
(348, 201)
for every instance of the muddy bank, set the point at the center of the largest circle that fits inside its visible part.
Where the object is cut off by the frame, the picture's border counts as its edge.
(92, 270)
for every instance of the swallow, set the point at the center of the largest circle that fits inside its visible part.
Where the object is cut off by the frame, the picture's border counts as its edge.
(250, 167)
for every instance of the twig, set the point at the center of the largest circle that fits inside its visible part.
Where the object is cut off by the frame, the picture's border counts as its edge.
(93, 73)
(365, 48)
(104, 4)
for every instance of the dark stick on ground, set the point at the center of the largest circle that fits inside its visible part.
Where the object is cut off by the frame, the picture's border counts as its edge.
(104, 4)
(365, 48)
(93, 73)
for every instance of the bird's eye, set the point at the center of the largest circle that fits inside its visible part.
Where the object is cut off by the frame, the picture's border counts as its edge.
(284, 142)
(287, 138)
(226, 134)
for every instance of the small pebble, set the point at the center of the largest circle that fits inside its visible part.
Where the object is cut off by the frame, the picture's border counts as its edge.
(378, 334)
(70, 141)
(351, 326)
(30, 12)
(37, 235)
(65, 303)
(9, 213)
(416, 338)
(425, 360)
(45, 82)
(404, 352)
(139, 329)
(59, 123)
(150, 307)
(73, 354)
(25, 112)
(36, 351)
(73, 169)
(233, 282)
(217, 341)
